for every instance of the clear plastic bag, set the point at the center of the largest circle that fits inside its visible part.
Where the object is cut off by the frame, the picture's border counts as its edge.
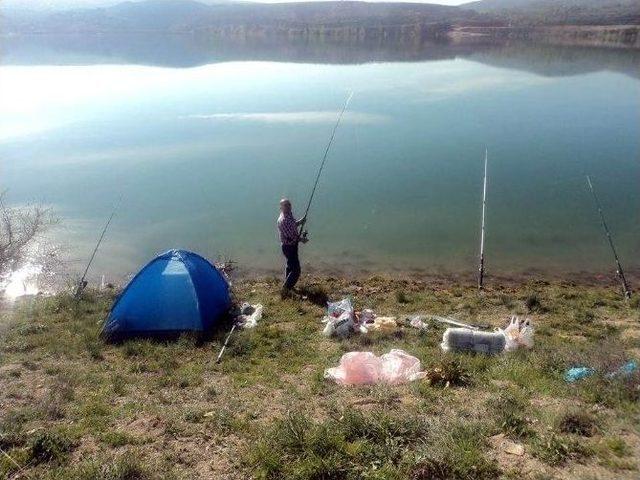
(339, 319)
(250, 321)
(519, 333)
(337, 309)
(418, 322)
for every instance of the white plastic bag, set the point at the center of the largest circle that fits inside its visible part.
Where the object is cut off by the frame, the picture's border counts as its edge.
(339, 319)
(418, 322)
(519, 333)
(365, 368)
(250, 321)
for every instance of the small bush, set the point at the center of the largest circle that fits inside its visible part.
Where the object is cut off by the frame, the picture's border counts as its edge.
(431, 469)
(456, 453)
(119, 384)
(50, 446)
(533, 304)
(212, 392)
(578, 422)
(131, 348)
(618, 446)
(31, 328)
(60, 393)
(510, 410)
(94, 349)
(401, 297)
(11, 439)
(556, 449)
(584, 317)
(127, 467)
(506, 301)
(351, 444)
(194, 416)
(116, 438)
(449, 372)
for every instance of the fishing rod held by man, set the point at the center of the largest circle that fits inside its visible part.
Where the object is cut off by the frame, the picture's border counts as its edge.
(291, 231)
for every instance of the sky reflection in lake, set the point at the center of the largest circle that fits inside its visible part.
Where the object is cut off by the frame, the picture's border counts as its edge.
(202, 155)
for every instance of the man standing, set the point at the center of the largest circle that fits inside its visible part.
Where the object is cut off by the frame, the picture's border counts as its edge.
(290, 238)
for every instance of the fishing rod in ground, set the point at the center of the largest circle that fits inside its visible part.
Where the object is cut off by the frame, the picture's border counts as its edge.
(324, 160)
(484, 203)
(82, 283)
(619, 271)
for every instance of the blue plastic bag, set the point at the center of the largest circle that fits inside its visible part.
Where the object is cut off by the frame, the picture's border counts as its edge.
(578, 373)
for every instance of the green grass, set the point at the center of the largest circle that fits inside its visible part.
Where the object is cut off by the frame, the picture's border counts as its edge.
(74, 407)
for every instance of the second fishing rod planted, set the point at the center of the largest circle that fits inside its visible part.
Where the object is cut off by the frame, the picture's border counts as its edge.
(619, 272)
(303, 232)
(82, 282)
(484, 204)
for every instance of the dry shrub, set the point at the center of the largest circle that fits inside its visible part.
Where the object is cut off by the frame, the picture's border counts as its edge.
(448, 373)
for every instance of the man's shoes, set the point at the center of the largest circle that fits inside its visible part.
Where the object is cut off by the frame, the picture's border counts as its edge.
(289, 293)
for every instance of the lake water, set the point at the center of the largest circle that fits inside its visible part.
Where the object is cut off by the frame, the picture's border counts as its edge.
(202, 138)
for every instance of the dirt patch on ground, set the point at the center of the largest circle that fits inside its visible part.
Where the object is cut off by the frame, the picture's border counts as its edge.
(630, 334)
(513, 457)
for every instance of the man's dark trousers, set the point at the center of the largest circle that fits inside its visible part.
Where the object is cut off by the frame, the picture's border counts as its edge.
(292, 272)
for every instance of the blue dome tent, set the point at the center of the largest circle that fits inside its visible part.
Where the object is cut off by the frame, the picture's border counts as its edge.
(178, 291)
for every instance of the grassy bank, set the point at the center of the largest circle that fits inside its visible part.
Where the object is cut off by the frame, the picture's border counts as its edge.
(73, 407)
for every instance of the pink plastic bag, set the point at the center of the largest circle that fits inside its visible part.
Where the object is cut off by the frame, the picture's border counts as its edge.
(365, 368)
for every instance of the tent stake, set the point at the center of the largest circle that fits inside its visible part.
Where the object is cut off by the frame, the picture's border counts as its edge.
(226, 341)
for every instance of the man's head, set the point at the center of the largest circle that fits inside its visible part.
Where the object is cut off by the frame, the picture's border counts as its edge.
(285, 205)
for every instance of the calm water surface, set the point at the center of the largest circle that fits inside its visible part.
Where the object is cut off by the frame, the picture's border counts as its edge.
(202, 141)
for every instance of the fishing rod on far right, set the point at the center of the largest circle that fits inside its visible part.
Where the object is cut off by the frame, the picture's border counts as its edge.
(605, 227)
(303, 232)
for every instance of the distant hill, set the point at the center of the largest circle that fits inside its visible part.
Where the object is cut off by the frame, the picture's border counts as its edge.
(579, 12)
(330, 19)
(193, 16)
(57, 5)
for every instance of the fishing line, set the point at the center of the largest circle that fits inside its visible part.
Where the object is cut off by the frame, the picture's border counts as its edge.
(324, 160)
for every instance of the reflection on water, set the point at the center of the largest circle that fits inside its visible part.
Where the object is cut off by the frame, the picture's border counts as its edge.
(23, 281)
(194, 50)
(203, 154)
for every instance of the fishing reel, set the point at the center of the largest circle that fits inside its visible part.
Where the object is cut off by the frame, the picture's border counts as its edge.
(304, 236)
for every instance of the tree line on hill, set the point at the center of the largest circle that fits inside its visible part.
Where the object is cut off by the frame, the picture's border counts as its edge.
(356, 18)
